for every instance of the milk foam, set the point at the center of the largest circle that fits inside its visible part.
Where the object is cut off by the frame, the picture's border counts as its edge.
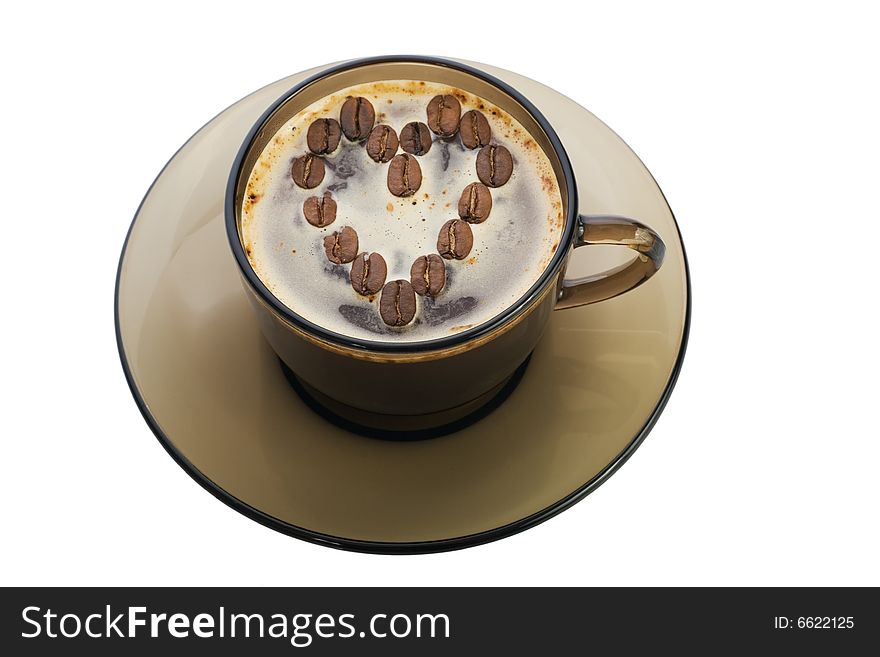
(511, 248)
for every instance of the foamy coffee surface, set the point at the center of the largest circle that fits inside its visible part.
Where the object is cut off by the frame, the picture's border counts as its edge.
(511, 248)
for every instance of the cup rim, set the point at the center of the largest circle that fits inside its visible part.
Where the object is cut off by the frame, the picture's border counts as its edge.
(534, 292)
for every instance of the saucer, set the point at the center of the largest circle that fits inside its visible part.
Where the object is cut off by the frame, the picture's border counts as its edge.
(214, 394)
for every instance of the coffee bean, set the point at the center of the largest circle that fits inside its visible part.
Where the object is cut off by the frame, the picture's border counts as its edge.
(455, 240)
(494, 165)
(475, 203)
(404, 175)
(323, 136)
(307, 171)
(320, 211)
(382, 144)
(341, 246)
(357, 117)
(428, 275)
(475, 130)
(397, 307)
(415, 138)
(444, 113)
(368, 273)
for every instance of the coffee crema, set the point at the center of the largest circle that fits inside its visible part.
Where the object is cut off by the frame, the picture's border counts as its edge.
(401, 211)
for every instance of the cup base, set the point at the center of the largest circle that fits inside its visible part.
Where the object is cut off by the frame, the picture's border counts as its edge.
(404, 427)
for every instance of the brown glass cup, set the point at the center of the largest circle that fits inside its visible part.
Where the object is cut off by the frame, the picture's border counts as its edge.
(411, 386)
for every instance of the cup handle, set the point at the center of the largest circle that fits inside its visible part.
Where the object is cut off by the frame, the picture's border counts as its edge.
(607, 229)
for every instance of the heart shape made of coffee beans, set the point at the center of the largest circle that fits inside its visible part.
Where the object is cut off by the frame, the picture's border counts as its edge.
(357, 122)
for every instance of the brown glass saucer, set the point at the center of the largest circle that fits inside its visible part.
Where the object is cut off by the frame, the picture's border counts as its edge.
(213, 393)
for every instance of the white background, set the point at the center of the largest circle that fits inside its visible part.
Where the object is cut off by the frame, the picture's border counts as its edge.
(759, 121)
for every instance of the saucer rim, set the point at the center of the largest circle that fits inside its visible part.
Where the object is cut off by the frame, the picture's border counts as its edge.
(392, 547)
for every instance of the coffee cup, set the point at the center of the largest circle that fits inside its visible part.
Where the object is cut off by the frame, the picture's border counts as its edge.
(421, 384)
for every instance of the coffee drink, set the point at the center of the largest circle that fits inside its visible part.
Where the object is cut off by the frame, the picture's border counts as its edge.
(401, 211)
